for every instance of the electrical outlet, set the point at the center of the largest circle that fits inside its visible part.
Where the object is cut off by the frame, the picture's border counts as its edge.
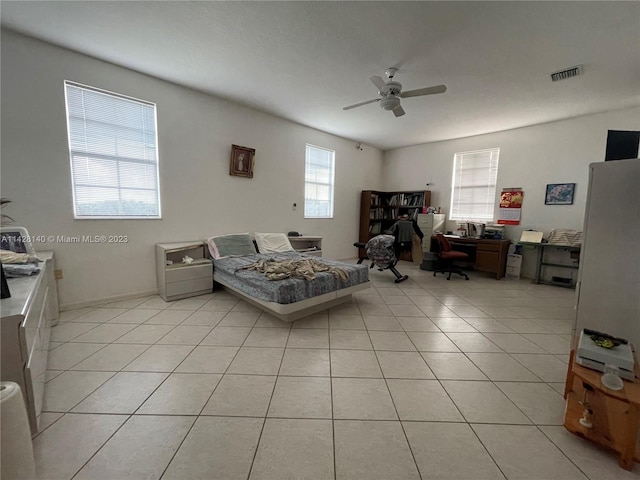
(58, 274)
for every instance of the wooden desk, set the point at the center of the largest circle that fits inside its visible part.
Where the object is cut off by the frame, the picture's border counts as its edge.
(485, 255)
(614, 413)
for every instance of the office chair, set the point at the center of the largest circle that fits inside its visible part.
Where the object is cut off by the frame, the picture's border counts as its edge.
(447, 256)
(383, 251)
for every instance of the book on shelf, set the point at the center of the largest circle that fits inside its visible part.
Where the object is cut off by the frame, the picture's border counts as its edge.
(406, 199)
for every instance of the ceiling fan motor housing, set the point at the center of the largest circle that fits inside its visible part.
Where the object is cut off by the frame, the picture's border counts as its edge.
(389, 102)
(392, 88)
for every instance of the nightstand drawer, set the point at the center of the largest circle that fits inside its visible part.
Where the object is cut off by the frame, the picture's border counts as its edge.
(189, 272)
(190, 286)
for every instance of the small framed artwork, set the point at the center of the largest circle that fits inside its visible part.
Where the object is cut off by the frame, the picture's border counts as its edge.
(241, 164)
(559, 194)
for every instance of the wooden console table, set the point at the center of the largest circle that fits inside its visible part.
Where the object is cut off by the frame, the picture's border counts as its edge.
(485, 255)
(614, 414)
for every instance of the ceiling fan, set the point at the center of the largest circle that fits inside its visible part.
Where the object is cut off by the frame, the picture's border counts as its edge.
(391, 92)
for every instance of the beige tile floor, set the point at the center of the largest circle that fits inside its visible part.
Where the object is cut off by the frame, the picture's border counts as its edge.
(427, 379)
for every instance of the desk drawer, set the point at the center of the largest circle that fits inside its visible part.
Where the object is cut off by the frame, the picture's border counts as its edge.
(488, 247)
(487, 261)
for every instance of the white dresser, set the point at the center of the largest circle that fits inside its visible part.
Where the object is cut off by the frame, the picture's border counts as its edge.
(27, 317)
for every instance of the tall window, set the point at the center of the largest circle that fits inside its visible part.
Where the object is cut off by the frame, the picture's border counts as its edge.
(318, 182)
(473, 188)
(114, 154)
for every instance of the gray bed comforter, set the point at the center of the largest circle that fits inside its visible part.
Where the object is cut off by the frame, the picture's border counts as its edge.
(289, 290)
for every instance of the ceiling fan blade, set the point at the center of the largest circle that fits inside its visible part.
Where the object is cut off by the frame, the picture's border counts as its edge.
(361, 104)
(424, 91)
(378, 82)
(398, 111)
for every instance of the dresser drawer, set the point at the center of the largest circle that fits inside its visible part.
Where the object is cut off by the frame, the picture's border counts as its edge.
(33, 318)
(180, 274)
(36, 369)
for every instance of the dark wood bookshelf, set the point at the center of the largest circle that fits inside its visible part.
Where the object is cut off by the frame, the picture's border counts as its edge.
(379, 210)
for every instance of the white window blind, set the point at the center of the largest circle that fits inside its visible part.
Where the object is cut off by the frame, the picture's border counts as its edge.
(473, 188)
(318, 182)
(114, 154)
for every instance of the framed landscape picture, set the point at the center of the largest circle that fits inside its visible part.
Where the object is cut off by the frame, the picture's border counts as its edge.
(559, 194)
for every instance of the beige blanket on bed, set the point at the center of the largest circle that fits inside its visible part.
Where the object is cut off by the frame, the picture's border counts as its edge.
(304, 268)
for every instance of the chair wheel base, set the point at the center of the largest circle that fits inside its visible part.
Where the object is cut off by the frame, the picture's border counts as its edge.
(449, 272)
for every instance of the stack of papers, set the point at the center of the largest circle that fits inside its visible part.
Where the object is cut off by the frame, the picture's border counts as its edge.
(565, 237)
(530, 236)
(14, 270)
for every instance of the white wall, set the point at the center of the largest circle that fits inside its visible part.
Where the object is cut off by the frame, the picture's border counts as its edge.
(198, 196)
(530, 158)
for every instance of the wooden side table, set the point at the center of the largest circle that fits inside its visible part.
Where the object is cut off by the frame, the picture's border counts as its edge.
(613, 414)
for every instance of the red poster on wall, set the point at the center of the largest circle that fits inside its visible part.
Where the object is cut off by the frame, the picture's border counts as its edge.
(510, 207)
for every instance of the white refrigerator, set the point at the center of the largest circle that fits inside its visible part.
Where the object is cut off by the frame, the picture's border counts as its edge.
(608, 289)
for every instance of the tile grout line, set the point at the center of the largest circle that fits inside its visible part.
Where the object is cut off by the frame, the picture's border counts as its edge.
(333, 421)
(102, 445)
(266, 413)
(395, 408)
(562, 452)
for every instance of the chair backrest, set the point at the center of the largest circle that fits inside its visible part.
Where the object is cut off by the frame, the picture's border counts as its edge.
(445, 246)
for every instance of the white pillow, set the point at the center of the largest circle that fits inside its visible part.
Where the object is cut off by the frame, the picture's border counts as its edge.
(273, 242)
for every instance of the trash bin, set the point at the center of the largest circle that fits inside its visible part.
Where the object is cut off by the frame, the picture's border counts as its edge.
(514, 264)
(429, 262)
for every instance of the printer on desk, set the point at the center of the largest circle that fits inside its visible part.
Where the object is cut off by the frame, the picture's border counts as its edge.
(596, 357)
(493, 232)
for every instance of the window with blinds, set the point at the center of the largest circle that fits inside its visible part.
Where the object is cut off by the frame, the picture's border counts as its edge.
(318, 182)
(473, 187)
(114, 154)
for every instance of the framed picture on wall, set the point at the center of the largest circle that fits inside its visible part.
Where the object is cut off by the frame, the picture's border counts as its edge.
(241, 163)
(559, 194)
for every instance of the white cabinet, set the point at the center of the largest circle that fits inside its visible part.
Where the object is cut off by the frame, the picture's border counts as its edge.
(177, 279)
(27, 317)
(307, 244)
(609, 275)
(429, 224)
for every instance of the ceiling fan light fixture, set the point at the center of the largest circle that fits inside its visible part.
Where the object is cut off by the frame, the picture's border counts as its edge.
(390, 102)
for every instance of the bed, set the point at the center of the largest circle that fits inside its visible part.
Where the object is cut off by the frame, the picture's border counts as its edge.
(287, 299)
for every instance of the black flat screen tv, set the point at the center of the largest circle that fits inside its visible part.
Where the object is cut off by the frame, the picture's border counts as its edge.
(622, 144)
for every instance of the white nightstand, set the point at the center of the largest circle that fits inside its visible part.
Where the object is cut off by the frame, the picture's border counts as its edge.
(179, 280)
(307, 244)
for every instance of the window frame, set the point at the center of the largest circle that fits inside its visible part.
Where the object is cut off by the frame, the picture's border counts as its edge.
(331, 184)
(73, 153)
(493, 164)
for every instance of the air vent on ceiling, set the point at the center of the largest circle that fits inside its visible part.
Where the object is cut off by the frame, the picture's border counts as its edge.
(567, 73)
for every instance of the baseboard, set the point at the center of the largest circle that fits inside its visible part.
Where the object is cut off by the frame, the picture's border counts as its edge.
(102, 301)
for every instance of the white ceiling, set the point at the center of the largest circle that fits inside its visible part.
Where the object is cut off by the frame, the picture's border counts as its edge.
(304, 61)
